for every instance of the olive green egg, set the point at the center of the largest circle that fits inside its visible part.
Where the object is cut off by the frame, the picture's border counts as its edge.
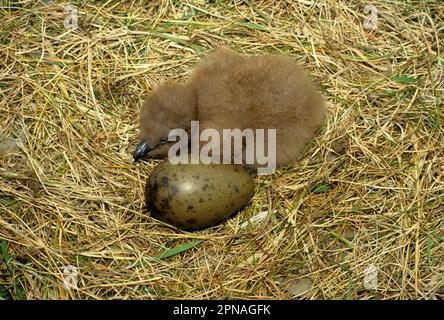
(196, 196)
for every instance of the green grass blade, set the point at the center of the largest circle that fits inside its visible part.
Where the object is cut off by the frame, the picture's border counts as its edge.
(251, 25)
(403, 79)
(5, 254)
(321, 188)
(178, 249)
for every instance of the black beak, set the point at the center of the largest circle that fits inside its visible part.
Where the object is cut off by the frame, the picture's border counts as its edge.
(141, 150)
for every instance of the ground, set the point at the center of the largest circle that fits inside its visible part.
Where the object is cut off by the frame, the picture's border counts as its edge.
(360, 216)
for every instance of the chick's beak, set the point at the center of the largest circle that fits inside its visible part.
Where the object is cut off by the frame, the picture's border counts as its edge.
(141, 150)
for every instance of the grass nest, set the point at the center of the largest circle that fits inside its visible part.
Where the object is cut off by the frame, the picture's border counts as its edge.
(360, 216)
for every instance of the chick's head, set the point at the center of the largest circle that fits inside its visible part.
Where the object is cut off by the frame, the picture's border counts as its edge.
(168, 107)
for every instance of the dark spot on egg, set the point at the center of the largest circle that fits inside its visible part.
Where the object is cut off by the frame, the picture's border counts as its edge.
(165, 204)
(205, 187)
(153, 188)
(236, 189)
(201, 200)
(165, 182)
(190, 208)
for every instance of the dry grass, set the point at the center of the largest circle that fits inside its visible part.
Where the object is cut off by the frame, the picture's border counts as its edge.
(369, 191)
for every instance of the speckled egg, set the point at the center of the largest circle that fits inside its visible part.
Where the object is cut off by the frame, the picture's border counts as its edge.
(195, 196)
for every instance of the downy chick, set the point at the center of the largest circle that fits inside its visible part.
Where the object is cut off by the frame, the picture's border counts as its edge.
(228, 91)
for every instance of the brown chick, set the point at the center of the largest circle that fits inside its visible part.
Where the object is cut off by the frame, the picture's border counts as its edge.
(227, 91)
